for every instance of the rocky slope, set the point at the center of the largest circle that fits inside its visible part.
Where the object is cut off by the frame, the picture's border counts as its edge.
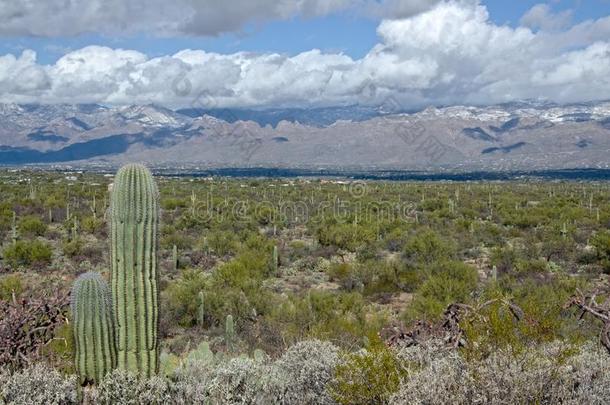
(527, 135)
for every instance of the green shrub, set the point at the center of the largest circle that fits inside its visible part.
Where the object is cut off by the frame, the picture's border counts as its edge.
(72, 248)
(93, 225)
(10, 284)
(26, 253)
(369, 376)
(32, 226)
(449, 282)
(425, 247)
(222, 243)
(601, 242)
(181, 297)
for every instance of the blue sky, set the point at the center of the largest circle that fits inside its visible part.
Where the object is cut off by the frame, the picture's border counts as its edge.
(266, 53)
(348, 32)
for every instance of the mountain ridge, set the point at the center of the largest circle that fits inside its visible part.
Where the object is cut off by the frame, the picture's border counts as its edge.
(520, 135)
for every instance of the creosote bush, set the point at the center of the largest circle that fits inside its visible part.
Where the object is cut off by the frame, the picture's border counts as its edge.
(27, 253)
(369, 376)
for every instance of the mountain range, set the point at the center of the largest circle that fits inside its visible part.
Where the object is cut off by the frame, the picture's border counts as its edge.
(525, 135)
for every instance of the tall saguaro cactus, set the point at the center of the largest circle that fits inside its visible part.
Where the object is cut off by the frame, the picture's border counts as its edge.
(134, 221)
(93, 328)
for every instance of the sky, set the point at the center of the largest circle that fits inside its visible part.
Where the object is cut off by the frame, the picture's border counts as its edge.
(274, 53)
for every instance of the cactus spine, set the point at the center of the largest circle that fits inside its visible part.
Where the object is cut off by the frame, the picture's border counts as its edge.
(93, 328)
(134, 219)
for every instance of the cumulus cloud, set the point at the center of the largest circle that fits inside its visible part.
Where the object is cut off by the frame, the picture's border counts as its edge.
(177, 17)
(541, 16)
(450, 54)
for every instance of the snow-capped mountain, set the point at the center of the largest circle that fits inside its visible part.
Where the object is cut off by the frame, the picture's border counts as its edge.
(523, 135)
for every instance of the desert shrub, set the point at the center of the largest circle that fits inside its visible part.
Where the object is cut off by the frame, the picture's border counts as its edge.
(343, 274)
(534, 376)
(192, 378)
(425, 247)
(304, 372)
(170, 204)
(345, 236)
(369, 376)
(93, 225)
(39, 384)
(236, 382)
(26, 253)
(433, 378)
(181, 297)
(122, 387)
(531, 267)
(221, 242)
(388, 276)
(494, 327)
(543, 374)
(10, 284)
(449, 282)
(324, 315)
(32, 226)
(59, 351)
(590, 372)
(72, 248)
(504, 258)
(180, 240)
(601, 242)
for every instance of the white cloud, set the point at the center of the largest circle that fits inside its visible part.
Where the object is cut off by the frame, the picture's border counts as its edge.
(450, 54)
(541, 16)
(52, 18)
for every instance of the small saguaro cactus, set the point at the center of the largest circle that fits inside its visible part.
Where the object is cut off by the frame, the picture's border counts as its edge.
(175, 257)
(229, 331)
(134, 222)
(275, 260)
(14, 231)
(93, 328)
(200, 308)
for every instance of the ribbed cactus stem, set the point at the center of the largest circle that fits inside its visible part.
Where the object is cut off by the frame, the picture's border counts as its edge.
(134, 221)
(229, 331)
(93, 328)
(14, 232)
(200, 308)
(275, 260)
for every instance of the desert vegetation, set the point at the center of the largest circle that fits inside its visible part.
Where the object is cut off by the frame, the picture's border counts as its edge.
(133, 290)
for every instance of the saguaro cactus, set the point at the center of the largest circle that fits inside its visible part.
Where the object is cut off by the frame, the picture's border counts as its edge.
(200, 308)
(229, 332)
(175, 257)
(134, 221)
(93, 328)
(275, 260)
